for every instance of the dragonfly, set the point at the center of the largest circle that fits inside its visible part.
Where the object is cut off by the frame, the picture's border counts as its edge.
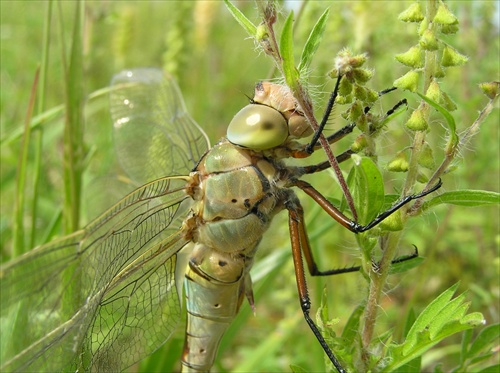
(105, 297)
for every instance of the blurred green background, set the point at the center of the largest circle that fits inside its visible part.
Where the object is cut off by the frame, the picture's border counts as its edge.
(216, 65)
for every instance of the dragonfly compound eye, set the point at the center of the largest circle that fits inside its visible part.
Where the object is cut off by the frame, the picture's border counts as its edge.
(258, 127)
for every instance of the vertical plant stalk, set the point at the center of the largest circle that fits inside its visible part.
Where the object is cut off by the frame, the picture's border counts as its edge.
(18, 244)
(390, 244)
(73, 155)
(39, 133)
(73, 129)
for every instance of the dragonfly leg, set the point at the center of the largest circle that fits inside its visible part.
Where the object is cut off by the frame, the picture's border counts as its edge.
(352, 225)
(299, 243)
(328, 110)
(326, 164)
(344, 131)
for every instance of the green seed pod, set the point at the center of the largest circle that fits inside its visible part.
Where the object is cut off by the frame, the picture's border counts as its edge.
(428, 41)
(345, 87)
(371, 95)
(449, 29)
(452, 58)
(358, 61)
(440, 72)
(490, 89)
(261, 33)
(343, 100)
(393, 222)
(424, 25)
(399, 163)
(447, 102)
(444, 16)
(355, 111)
(417, 121)
(362, 123)
(362, 75)
(426, 158)
(359, 144)
(333, 74)
(359, 92)
(422, 178)
(409, 81)
(434, 92)
(413, 57)
(412, 14)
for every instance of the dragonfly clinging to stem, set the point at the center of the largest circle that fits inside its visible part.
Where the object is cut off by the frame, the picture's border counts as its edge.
(123, 271)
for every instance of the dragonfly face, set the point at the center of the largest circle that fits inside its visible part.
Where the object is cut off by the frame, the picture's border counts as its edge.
(122, 269)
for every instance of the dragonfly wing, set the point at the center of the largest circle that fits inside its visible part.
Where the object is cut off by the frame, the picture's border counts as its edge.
(154, 134)
(103, 297)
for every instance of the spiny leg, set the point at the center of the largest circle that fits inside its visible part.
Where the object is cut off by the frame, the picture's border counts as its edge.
(352, 225)
(328, 110)
(344, 131)
(298, 242)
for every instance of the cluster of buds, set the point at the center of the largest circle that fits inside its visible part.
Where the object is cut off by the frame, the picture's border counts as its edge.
(429, 30)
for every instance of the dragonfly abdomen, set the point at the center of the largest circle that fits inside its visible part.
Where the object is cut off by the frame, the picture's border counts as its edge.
(238, 199)
(215, 286)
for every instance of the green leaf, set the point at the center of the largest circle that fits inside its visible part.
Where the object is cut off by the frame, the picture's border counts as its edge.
(244, 22)
(297, 369)
(453, 141)
(467, 197)
(425, 318)
(286, 51)
(368, 188)
(492, 369)
(415, 364)
(442, 318)
(484, 340)
(313, 41)
(351, 329)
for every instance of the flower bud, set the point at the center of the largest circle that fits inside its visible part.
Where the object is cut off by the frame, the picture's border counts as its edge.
(393, 222)
(399, 163)
(409, 81)
(452, 58)
(345, 87)
(428, 41)
(490, 89)
(362, 75)
(413, 57)
(359, 144)
(417, 121)
(426, 158)
(412, 14)
(422, 178)
(447, 102)
(444, 16)
(434, 92)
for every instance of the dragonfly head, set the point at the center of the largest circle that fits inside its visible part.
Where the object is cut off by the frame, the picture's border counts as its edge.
(272, 118)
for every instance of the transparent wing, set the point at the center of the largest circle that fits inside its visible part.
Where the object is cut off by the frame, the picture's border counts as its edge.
(154, 134)
(102, 298)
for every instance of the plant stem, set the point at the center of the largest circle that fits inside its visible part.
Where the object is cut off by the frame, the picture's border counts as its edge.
(389, 244)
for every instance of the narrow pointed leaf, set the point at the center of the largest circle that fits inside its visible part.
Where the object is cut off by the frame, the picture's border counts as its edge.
(249, 27)
(313, 41)
(286, 51)
(469, 198)
(453, 141)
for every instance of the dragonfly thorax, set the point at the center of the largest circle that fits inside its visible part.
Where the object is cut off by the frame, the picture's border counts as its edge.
(238, 199)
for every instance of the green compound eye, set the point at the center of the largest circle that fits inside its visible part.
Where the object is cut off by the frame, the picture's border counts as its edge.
(258, 127)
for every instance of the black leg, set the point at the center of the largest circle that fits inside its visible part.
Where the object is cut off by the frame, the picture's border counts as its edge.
(300, 244)
(310, 148)
(344, 220)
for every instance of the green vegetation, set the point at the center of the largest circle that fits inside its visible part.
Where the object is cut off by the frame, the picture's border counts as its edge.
(54, 158)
